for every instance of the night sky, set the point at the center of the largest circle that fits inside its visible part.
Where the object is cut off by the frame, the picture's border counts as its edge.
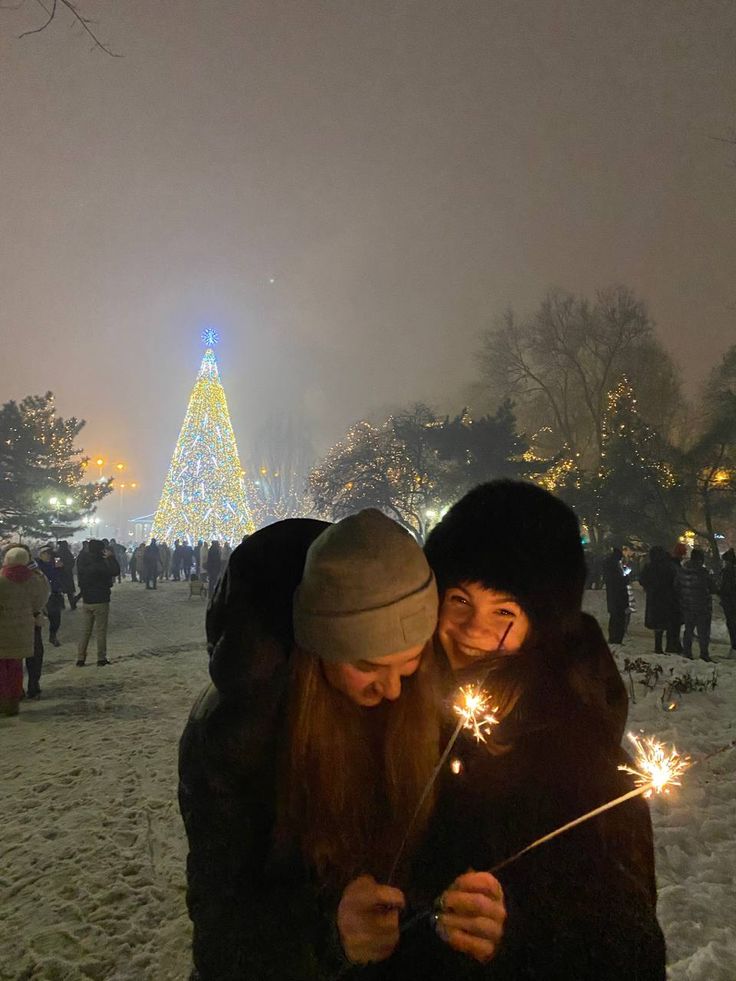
(402, 171)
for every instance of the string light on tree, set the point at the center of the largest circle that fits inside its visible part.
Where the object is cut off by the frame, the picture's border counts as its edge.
(204, 493)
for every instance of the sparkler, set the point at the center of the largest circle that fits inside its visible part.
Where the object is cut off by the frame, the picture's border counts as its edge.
(657, 769)
(473, 707)
(471, 716)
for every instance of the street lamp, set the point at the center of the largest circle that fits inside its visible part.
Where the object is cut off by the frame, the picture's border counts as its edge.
(121, 488)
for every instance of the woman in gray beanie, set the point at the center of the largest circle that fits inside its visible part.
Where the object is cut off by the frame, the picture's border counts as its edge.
(302, 763)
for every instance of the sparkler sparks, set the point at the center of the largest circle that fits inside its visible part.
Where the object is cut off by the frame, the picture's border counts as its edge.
(474, 708)
(658, 768)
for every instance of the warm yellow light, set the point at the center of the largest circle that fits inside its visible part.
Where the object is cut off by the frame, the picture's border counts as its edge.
(99, 461)
(119, 466)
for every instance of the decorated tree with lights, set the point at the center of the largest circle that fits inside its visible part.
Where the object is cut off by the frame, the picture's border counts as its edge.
(393, 467)
(42, 488)
(634, 491)
(415, 464)
(204, 495)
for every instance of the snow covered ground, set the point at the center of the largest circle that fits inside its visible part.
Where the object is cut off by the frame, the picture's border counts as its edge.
(92, 875)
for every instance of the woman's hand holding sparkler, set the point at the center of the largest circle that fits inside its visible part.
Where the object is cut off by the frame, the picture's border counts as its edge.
(368, 920)
(471, 914)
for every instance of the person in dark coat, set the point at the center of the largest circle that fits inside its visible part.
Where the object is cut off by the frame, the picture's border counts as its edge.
(151, 562)
(176, 561)
(47, 563)
(213, 566)
(97, 569)
(300, 765)
(695, 586)
(187, 560)
(662, 611)
(728, 594)
(67, 573)
(617, 596)
(510, 571)
(674, 645)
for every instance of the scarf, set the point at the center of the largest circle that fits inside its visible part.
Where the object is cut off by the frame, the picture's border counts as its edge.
(16, 573)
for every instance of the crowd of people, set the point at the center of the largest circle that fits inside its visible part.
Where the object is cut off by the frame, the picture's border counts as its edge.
(679, 597)
(35, 590)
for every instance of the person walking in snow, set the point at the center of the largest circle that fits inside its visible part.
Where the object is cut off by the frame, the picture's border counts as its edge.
(176, 561)
(151, 561)
(213, 565)
(96, 576)
(695, 586)
(679, 555)
(55, 604)
(728, 595)
(661, 611)
(187, 560)
(23, 595)
(617, 596)
(67, 573)
(165, 556)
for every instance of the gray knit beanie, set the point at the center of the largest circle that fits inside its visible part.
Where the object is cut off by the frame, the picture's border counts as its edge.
(367, 591)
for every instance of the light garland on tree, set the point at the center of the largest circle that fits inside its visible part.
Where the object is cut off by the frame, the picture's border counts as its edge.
(204, 495)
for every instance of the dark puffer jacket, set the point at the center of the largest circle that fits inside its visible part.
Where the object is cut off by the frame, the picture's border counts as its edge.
(617, 595)
(580, 908)
(96, 573)
(255, 918)
(695, 587)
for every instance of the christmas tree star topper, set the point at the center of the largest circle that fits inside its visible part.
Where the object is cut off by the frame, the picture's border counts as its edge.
(210, 336)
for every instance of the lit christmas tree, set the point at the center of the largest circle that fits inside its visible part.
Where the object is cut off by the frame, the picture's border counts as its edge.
(635, 480)
(204, 494)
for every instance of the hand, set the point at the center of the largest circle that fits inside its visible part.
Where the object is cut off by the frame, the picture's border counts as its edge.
(368, 920)
(472, 915)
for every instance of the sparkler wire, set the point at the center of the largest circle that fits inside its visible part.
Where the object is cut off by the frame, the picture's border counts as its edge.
(637, 792)
(435, 773)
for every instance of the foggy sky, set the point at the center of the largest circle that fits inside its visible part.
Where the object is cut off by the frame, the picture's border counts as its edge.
(404, 171)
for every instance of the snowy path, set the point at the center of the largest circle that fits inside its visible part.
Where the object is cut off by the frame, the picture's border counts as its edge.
(92, 878)
(93, 881)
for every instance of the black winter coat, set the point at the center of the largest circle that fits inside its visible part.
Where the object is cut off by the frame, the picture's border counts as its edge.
(580, 908)
(255, 918)
(695, 586)
(728, 589)
(617, 595)
(658, 582)
(96, 574)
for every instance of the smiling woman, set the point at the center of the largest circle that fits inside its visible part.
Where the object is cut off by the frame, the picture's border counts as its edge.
(474, 620)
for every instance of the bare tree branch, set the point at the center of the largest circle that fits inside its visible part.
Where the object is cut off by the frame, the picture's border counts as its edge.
(85, 23)
(37, 30)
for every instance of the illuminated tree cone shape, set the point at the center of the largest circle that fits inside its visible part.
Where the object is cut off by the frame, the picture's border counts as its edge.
(204, 494)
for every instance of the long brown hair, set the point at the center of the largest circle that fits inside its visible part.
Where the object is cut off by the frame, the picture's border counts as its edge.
(351, 777)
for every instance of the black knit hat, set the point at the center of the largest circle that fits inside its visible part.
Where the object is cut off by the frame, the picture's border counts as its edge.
(513, 536)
